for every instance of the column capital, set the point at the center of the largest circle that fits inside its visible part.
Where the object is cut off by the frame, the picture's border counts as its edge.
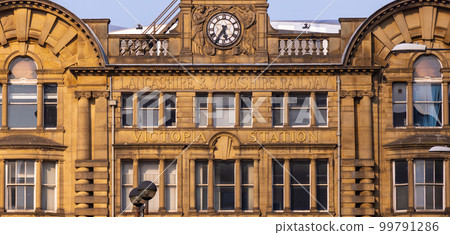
(100, 94)
(369, 94)
(83, 94)
(345, 94)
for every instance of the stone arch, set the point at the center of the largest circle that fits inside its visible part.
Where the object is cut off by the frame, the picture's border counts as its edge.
(402, 21)
(48, 30)
(224, 146)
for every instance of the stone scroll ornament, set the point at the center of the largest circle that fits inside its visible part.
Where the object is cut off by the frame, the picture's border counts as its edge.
(246, 15)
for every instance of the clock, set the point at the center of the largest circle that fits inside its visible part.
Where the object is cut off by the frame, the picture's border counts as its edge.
(223, 29)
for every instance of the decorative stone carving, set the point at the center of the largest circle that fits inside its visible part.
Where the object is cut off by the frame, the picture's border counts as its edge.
(358, 94)
(246, 15)
(98, 94)
(224, 148)
(83, 94)
(365, 93)
(344, 94)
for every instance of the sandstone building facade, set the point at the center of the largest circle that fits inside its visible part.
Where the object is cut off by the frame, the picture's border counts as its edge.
(226, 114)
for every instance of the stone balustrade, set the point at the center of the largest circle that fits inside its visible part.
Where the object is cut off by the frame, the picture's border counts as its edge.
(303, 46)
(144, 47)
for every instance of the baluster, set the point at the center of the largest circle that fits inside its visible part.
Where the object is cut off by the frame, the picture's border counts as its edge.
(318, 46)
(138, 48)
(165, 47)
(304, 44)
(311, 46)
(282, 47)
(289, 46)
(325, 46)
(145, 48)
(296, 46)
(159, 49)
(130, 47)
(123, 47)
(152, 47)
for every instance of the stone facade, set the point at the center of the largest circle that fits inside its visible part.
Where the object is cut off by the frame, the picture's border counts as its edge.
(101, 144)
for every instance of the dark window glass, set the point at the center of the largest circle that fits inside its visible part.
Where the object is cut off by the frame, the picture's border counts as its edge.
(201, 110)
(246, 110)
(277, 109)
(170, 113)
(50, 105)
(300, 198)
(299, 109)
(224, 185)
(300, 172)
(127, 110)
(224, 172)
(322, 172)
(321, 109)
(278, 200)
(401, 200)
(148, 110)
(399, 104)
(322, 197)
(201, 181)
(278, 172)
(401, 172)
(439, 173)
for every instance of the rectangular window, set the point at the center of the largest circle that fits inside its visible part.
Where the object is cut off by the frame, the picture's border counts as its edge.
(224, 185)
(127, 110)
(321, 111)
(429, 183)
(171, 186)
(277, 109)
(399, 101)
(148, 110)
(201, 110)
(20, 183)
(247, 185)
(149, 171)
(278, 185)
(201, 186)
(322, 185)
(246, 114)
(170, 109)
(299, 110)
(127, 185)
(427, 104)
(22, 106)
(300, 185)
(401, 185)
(48, 196)
(50, 105)
(224, 110)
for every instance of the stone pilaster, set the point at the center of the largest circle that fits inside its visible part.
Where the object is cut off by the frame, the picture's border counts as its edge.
(210, 186)
(2, 189)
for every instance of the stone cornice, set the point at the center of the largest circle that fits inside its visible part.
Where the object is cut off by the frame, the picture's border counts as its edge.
(83, 94)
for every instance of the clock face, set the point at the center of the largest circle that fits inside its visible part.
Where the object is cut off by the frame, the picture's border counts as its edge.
(223, 29)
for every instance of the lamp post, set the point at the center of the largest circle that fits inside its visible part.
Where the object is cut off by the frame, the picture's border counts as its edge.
(141, 195)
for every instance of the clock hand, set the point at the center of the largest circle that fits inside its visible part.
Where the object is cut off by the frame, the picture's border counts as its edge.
(224, 28)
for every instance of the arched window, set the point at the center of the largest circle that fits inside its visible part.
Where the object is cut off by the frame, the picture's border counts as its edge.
(22, 93)
(427, 92)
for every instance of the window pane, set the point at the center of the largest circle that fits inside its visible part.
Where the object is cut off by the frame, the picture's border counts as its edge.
(278, 172)
(127, 173)
(30, 172)
(439, 171)
(247, 198)
(246, 118)
(50, 115)
(50, 93)
(201, 172)
(224, 117)
(48, 198)
(399, 92)
(428, 115)
(148, 117)
(201, 201)
(247, 172)
(322, 197)
(429, 171)
(401, 172)
(201, 101)
(22, 93)
(399, 112)
(420, 171)
(22, 116)
(171, 198)
(49, 173)
(11, 172)
(277, 100)
(21, 197)
(12, 193)
(149, 171)
(203, 118)
(299, 101)
(21, 175)
(170, 100)
(125, 200)
(429, 197)
(277, 117)
(149, 100)
(224, 172)
(300, 198)
(299, 117)
(439, 198)
(299, 172)
(322, 100)
(401, 200)
(427, 66)
(127, 185)
(322, 117)
(322, 172)
(171, 172)
(170, 117)
(223, 101)
(246, 101)
(224, 198)
(420, 200)
(23, 67)
(127, 117)
(278, 198)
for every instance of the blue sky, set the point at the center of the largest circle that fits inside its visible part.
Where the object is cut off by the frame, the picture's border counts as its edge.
(147, 10)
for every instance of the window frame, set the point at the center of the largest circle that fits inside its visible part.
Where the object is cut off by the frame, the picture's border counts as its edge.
(167, 185)
(198, 109)
(243, 110)
(124, 108)
(216, 185)
(201, 185)
(323, 185)
(281, 109)
(223, 109)
(248, 185)
(55, 186)
(395, 185)
(126, 207)
(156, 100)
(46, 103)
(291, 108)
(434, 184)
(280, 163)
(405, 103)
(168, 109)
(8, 185)
(317, 108)
(300, 185)
(155, 199)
